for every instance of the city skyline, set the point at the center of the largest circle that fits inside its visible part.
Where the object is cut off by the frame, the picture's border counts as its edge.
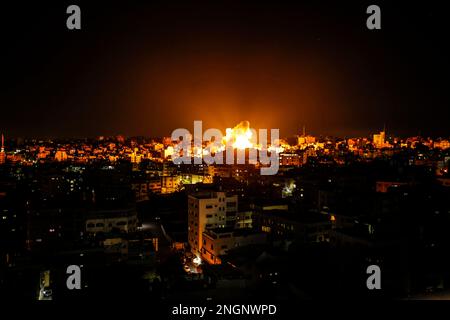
(148, 69)
(368, 134)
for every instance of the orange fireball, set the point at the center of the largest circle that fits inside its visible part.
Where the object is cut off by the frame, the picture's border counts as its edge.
(240, 137)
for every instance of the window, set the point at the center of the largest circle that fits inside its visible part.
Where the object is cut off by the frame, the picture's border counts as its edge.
(99, 224)
(209, 215)
(209, 206)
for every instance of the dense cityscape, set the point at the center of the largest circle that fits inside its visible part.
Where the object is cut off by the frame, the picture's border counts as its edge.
(122, 210)
(224, 159)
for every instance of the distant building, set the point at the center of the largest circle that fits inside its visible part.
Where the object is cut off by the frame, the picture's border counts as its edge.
(192, 178)
(305, 139)
(269, 204)
(291, 159)
(223, 171)
(170, 184)
(135, 157)
(109, 220)
(283, 224)
(2, 151)
(244, 219)
(154, 185)
(379, 139)
(141, 190)
(442, 144)
(61, 155)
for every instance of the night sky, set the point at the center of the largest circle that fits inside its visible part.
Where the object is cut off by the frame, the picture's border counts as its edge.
(146, 68)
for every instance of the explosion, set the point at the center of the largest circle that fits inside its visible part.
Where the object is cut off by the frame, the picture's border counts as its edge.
(240, 137)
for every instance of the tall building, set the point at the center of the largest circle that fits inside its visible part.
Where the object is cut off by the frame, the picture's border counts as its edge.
(135, 157)
(379, 139)
(2, 151)
(206, 211)
(304, 139)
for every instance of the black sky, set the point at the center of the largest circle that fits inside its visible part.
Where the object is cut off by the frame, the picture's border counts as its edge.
(146, 68)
